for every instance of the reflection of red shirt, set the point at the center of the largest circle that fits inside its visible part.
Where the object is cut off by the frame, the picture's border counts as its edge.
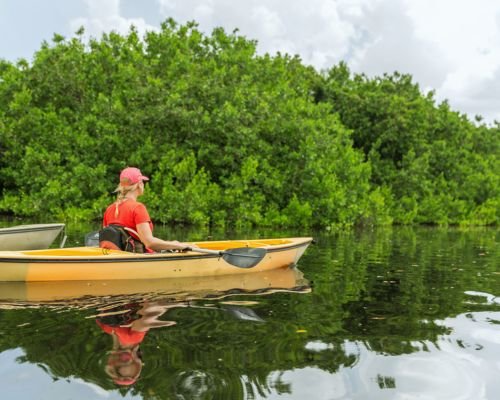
(130, 214)
(126, 335)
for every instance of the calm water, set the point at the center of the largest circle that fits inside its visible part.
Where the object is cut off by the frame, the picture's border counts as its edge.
(388, 314)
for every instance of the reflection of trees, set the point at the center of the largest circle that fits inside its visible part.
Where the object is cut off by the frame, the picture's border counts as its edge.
(64, 344)
(386, 289)
(391, 285)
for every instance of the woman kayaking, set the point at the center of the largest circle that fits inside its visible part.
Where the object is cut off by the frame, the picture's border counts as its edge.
(126, 223)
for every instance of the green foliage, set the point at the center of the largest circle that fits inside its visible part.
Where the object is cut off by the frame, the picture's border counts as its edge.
(181, 193)
(233, 139)
(436, 165)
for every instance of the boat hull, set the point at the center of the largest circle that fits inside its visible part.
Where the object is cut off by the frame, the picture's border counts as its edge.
(29, 237)
(92, 263)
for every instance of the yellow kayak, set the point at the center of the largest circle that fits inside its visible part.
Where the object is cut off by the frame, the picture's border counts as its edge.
(211, 258)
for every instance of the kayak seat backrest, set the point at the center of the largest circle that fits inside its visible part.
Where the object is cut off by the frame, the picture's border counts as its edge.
(116, 237)
(113, 237)
(105, 244)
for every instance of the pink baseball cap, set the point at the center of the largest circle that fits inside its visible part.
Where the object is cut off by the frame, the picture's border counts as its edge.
(131, 176)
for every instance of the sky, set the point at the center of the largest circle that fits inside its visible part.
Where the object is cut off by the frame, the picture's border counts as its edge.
(449, 46)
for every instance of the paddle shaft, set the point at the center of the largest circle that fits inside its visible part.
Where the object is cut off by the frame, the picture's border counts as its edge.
(243, 257)
(220, 252)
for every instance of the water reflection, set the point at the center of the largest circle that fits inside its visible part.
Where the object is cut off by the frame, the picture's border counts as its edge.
(462, 364)
(126, 312)
(128, 325)
(399, 314)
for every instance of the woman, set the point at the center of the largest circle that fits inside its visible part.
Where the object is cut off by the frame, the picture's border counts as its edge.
(128, 213)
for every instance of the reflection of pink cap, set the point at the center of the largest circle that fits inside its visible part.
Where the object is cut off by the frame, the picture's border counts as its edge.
(131, 176)
(125, 381)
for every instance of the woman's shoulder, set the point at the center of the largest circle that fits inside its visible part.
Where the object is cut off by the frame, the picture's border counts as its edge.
(135, 203)
(108, 208)
(128, 206)
(136, 206)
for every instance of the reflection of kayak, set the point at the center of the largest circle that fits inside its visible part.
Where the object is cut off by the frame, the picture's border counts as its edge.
(179, 289)
(94, 263)
(29, 237)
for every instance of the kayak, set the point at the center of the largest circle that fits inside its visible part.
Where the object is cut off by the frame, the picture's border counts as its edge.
(210, 258)
(29, 237)
(80, 293)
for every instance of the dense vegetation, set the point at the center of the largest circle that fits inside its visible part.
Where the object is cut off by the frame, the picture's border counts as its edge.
(232, 138)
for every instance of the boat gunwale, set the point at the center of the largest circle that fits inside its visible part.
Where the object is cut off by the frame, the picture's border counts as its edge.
(18, 257)
(30, 228)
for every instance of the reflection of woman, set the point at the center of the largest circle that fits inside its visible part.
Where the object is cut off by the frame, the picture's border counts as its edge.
(124, 362)
(128, 330)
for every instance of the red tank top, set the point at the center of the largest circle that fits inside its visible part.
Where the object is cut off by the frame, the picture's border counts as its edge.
(130, 214)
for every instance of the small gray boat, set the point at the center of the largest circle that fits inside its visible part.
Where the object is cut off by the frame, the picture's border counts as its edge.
(30, 237)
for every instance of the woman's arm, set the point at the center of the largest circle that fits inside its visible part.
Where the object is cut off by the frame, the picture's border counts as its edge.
(146, 236)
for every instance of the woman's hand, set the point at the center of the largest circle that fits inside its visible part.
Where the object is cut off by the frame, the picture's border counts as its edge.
(182, 246)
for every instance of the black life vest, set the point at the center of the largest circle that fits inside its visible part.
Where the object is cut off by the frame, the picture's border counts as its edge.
(116, 237)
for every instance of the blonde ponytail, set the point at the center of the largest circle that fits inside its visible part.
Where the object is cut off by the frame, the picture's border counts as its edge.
(122, 191)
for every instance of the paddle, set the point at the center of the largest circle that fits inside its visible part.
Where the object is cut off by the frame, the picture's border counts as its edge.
(242, 257)
(242, 313)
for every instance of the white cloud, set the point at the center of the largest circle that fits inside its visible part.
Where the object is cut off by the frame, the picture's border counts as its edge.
(320, 31)
(468, 37)
(270, 21)
(104, 16)
(451, 46)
